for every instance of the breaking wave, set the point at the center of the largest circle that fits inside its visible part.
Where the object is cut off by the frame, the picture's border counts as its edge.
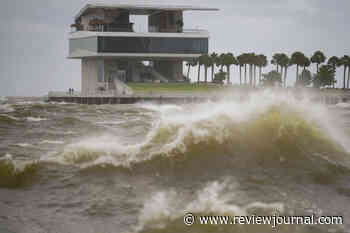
(14, 174)
(6, 108)
(7, 119)
(165, 210)
(268, 129)
(3, 99)
(35, 119)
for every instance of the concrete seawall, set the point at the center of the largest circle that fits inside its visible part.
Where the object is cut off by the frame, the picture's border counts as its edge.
(132, 100)
(326, 99)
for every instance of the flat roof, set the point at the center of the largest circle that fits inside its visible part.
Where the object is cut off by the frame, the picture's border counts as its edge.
(142, 9)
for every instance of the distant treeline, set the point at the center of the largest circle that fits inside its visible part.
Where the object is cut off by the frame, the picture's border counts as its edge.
(248, 63)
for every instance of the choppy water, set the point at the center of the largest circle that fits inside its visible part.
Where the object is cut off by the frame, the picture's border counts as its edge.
(139, 168)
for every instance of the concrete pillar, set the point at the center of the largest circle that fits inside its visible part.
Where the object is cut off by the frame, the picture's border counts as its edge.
(92, 72)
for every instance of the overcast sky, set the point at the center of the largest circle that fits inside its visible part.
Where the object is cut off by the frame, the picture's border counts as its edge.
(34, 35)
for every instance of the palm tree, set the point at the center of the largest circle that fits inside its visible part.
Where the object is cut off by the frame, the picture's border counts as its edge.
(334, 62)
(256, 63)
(262, 62)
(240, 61)
(250, 61)
(207, 63)
(228, 60)
(244, 62)
(284, 62)
(201, 61)
(306, 63)
(220, 61)
(190, 64)
(318, 58)
(297, 59)
(214, 58)
(347, 63)
(343, 62)
(276, 60)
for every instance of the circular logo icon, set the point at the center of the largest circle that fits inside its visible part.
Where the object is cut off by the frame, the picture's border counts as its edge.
(189, 219)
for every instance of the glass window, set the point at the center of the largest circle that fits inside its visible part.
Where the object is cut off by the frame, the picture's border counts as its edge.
(89, 44)
(152, 45)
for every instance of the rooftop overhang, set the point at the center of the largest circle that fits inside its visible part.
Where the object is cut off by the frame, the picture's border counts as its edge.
(142, 9)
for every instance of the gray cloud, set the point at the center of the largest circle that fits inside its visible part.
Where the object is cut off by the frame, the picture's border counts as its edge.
(34, 35)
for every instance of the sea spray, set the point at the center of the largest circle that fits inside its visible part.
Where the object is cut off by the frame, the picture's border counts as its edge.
(165, 209)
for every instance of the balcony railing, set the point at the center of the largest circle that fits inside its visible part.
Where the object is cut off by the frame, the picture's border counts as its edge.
(130, 28)
(109, 28)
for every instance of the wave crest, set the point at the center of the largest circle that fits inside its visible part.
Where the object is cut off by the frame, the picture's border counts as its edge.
(267, 128)
(277, 134)
(13, 174)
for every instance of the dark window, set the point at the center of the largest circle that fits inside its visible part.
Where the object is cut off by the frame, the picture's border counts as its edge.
(152, 45)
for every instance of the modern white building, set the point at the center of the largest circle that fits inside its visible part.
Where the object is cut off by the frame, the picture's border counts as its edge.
(113, 53)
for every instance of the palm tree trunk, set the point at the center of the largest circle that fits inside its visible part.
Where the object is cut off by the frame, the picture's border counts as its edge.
(254, 75)
(250, 75)
(282, 74)
(344, 77)
(245, 73)
(188, 72)
(285, 76)
(228, 74)
(334, 68)
(212, 73)
(199, 73)
(240, 75)
(348, 75)
(260, 68)
(303, 73)
(297, 77)
(205, 74)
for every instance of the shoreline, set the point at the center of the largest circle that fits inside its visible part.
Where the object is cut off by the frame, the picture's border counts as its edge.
(324, 96)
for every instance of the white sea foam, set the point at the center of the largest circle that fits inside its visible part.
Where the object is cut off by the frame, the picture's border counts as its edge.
(161, 108)
(343, 105)
(3, 99)
(35, 119)
(69, 132)
(30, 102)
(24, 145)
(111, 122)
(8, 156)
(61, 103)
(166, 206)
(10, 117)
(6, 108)
(51, 142)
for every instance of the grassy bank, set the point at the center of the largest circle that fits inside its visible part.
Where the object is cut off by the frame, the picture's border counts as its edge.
(173, 87)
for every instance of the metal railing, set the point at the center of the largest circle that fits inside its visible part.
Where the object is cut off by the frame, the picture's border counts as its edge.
(106, 28)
